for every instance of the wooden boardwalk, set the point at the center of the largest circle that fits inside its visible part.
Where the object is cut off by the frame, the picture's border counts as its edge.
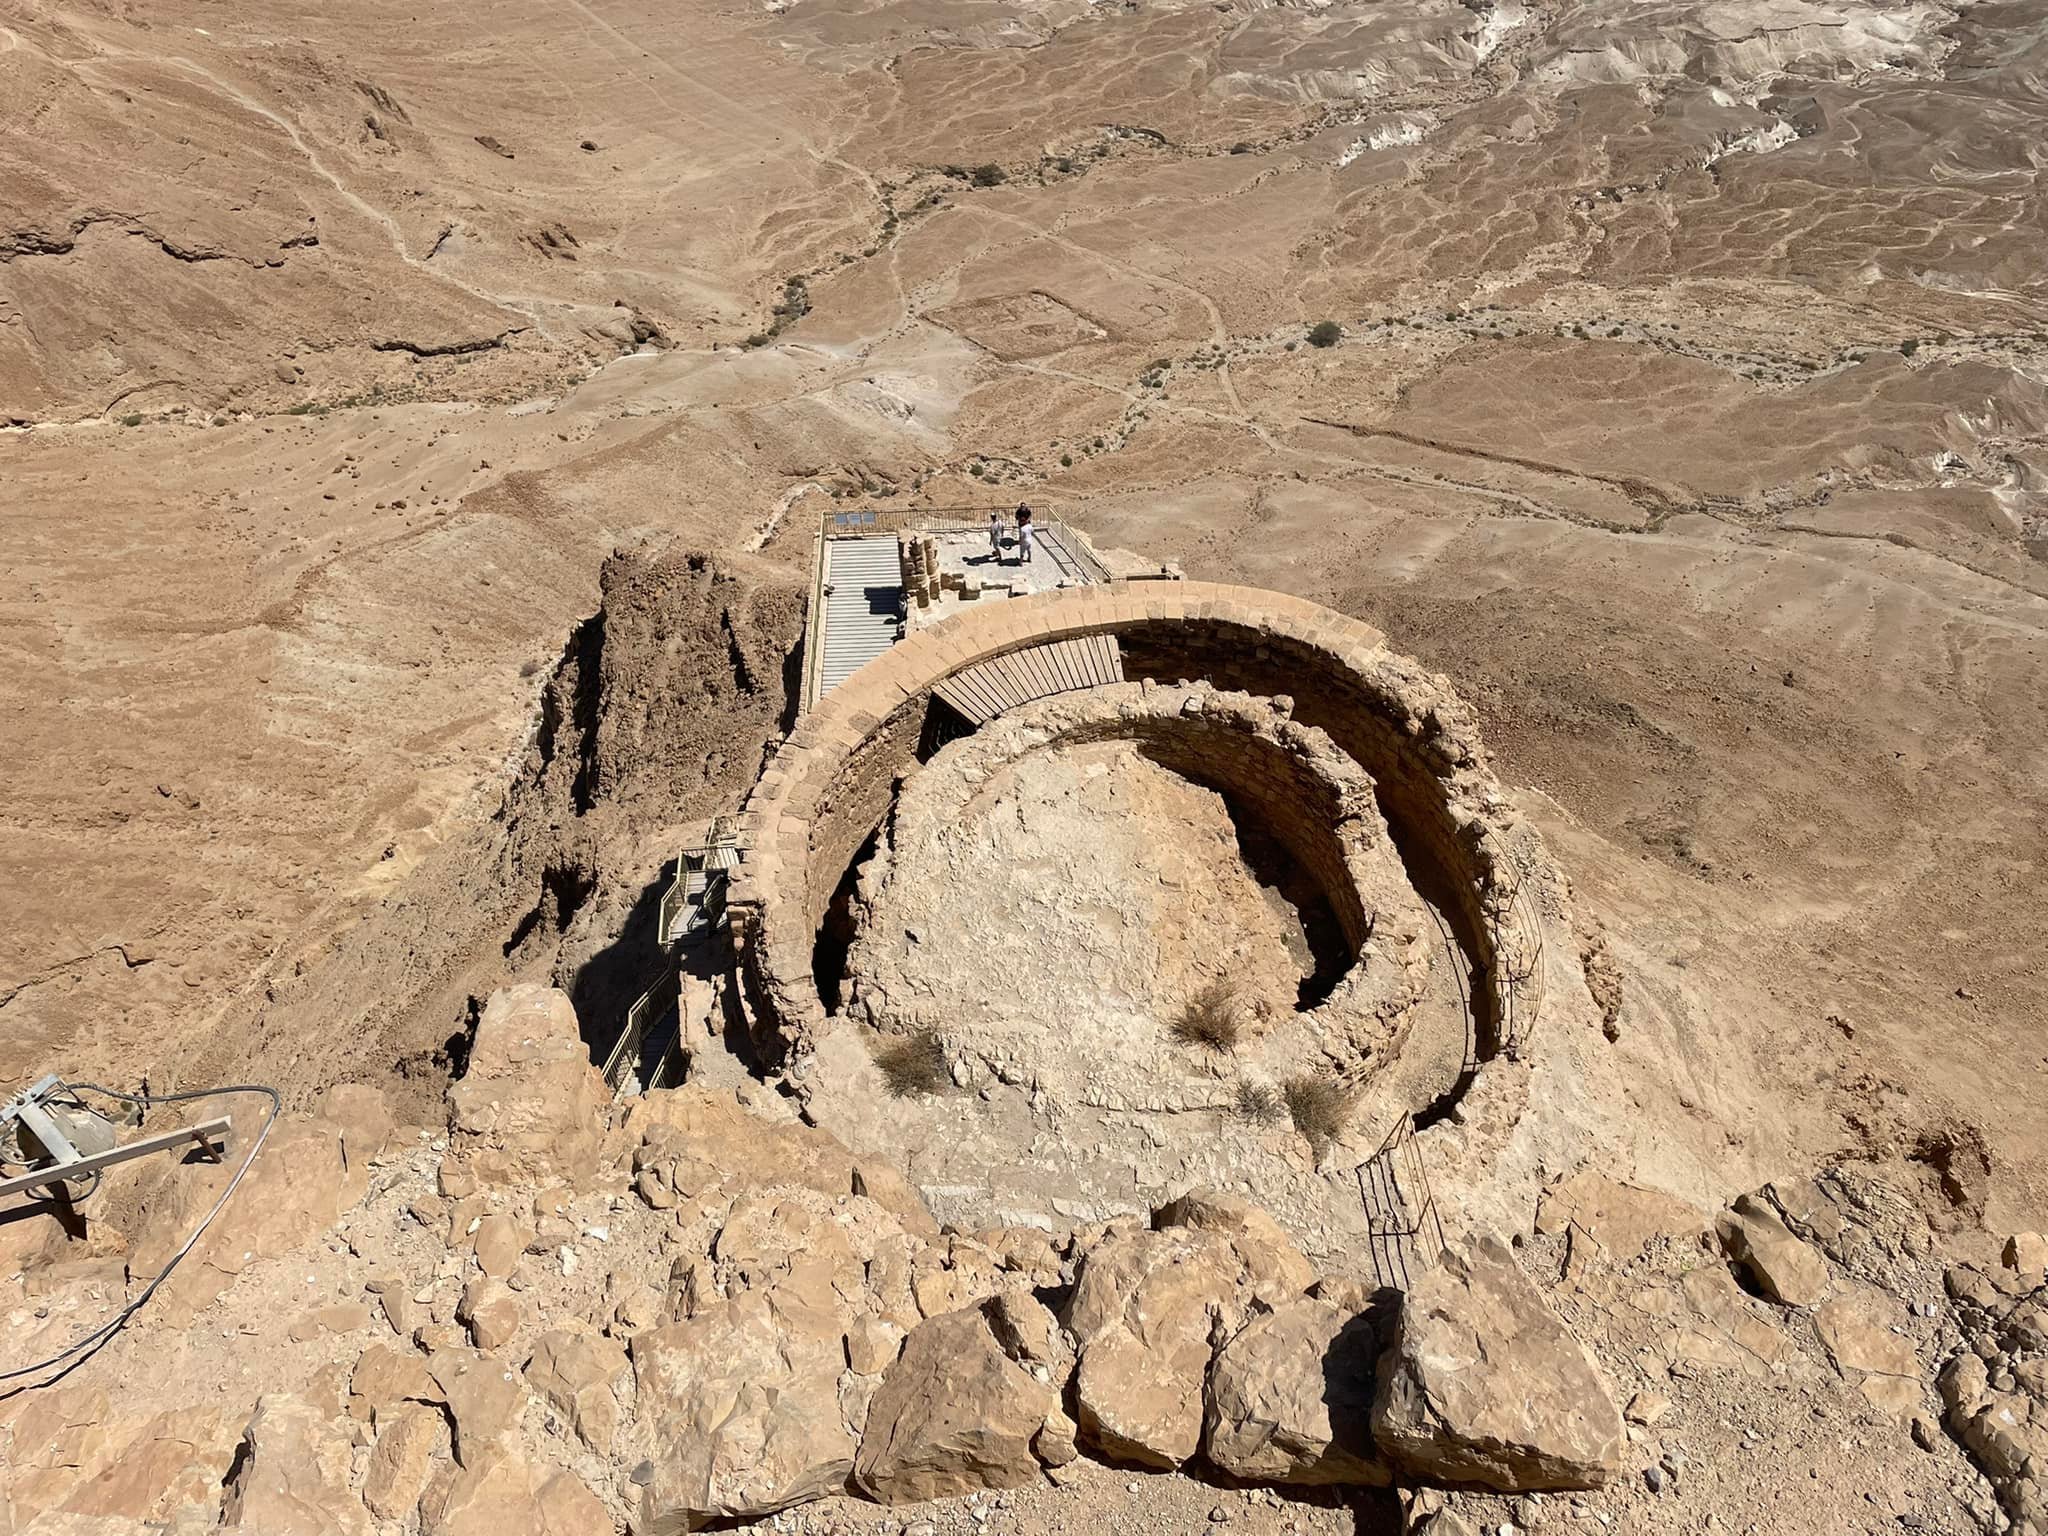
(987, 688)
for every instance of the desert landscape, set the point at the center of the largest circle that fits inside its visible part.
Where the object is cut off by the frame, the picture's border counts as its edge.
(1559, 496)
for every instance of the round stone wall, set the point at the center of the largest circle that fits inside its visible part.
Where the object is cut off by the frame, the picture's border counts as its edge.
(832, 780)
(1289, 780)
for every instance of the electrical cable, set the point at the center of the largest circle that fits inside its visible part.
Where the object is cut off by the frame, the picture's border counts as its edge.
(74, 1353)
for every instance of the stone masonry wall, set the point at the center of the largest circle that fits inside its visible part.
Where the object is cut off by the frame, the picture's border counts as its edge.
(829, 783)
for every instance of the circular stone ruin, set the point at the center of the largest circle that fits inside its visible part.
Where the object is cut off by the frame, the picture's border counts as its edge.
(1228, 922)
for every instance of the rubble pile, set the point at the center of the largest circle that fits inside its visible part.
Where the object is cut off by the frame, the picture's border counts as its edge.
(695, 1309)
(563, 1315)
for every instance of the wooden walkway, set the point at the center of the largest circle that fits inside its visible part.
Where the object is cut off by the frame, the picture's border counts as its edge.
(984, 690)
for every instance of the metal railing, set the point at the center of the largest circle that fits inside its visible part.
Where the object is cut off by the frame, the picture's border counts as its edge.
(1516, 932)
(963, 517)
(1404, 1230)
(696, 890)
(655, 1020)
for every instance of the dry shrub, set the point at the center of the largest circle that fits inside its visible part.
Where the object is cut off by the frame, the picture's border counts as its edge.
(1320, 1107)
(914, 1064)
(1260, 1103)
(1214, 1019)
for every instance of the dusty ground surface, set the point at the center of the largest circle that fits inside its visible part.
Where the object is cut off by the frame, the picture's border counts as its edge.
(1690, 411)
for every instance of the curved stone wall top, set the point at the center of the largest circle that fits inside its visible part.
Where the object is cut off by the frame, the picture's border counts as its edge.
(830, 782)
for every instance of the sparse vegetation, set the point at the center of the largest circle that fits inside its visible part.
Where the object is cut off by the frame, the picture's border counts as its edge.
(913, 1064)
(1214, 1019)
(1909, 346)
(1320, 1107)
(1260, 1103)
(1066, 461)
(131, 421)
(1325, 333)
(990, 175)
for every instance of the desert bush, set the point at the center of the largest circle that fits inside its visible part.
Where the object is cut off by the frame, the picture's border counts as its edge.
(1213, 1019)
(990, 175)
(1320, 1107)
(913, 1064)
(1325, 333)
(1260, 1103)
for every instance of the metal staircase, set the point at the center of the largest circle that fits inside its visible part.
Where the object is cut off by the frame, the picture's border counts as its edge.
(1403, 1230)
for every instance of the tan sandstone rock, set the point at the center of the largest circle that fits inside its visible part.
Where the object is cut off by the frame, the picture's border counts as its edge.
(2027, 1253)
(1786, 1269)
(484, 1396)
(411, 1439)
(530, 1106)
(1290, 1399)
(509, 1496)
(1483, 1384)
(491, 1313)
(157, 1466)
(363, 1117)
(954, 1413)
(498, 1244)
(578, 1374)
(1146, 1311)
(297, 1188)
(708, 1128)
(1622, 1218)
(291, 1476)
(1279, 1270)
(385, 1375)
(738, 1408)
(1856, 1330)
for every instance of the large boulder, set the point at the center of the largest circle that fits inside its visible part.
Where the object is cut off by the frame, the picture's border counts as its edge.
(291, 1475)
(1279, 1270)
(956, 1412)
(1147, 1311)
(1290, 1399)
(1784, 1268)
(530, 1107)
(296, 1189)
(707, 1128)
(578, 1375)
(1483, 1384)
(64, 1456)
(738, 1408)
(508, 1494)
(1622, 1218)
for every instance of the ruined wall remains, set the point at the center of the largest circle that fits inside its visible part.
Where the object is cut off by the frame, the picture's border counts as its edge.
(832, 780)
(1291, 779)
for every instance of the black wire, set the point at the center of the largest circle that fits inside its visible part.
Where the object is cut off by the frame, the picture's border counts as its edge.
(76, 1351)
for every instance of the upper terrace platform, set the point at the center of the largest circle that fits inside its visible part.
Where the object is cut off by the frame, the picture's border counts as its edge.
(870, 586)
